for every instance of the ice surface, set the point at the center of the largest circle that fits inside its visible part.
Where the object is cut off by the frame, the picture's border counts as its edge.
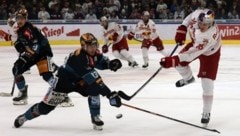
(160, 96)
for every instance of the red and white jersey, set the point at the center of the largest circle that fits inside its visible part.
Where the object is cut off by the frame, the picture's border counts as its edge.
(13, 31)
(109, 32)
(205, 43)
(148, 30)
(191, 21)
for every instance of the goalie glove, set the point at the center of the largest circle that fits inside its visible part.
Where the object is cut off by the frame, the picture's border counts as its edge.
(181, 33)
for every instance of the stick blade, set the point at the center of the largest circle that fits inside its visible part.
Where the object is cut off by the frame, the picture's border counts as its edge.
(3, 94)
(123, 95)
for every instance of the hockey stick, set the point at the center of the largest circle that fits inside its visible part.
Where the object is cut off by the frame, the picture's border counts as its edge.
(3, 94)
(173, 119)
(127, 97)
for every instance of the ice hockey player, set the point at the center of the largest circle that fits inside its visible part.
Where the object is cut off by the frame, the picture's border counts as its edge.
(78, 74)
(33, 48)
(147, 28)
(113, 32)
(205, 46)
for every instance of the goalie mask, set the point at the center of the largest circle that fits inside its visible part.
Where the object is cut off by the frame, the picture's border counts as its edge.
(88, 39)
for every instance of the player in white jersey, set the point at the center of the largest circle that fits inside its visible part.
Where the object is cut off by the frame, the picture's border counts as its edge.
(147, 28)
(113, 32)
(205, 46)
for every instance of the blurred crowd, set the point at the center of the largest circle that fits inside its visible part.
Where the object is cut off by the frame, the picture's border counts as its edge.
(117, 9)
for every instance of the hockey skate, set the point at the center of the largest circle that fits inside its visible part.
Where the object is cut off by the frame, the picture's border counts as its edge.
(183, 82)
(67, 102)
(205, 119)
(133, 64)
(145, 65)
(19, 121)
(21, 99)
(97, 122)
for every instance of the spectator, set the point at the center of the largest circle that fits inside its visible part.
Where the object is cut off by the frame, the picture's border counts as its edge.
(179, 14)
(33, 14)
(69, 15)
(114, 5)
(43, 14)
(91, 16)
(114, 15)
(79, 13)
(233, 14)
(105, 12)
(3, 13)
(135, 14)
(98, 8)
(52, 4)
(123, 14)
(85, 6)
(65, 8)
(160, 6)
(55, 12)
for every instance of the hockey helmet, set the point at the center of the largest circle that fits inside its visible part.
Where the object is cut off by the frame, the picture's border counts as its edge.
(103, 18)
(88, 39)
(207, 17)
(22, 13)
(146, 13)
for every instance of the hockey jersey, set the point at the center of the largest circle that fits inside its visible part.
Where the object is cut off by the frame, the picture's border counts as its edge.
(205, 43)
(109, 32)
(148, 31)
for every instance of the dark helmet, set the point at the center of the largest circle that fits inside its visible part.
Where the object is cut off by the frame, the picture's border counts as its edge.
(22, 13)
(88, 39)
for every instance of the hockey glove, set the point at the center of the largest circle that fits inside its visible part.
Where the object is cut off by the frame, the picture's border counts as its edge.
(181, 33)
(168, 62)
(114, 99)
(105, 48)
(19, 46)
(131, 35)
(114, 37)
(115, 64)
(147, 42)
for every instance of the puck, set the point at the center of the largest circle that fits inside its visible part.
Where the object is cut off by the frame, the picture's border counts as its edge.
(118, 116)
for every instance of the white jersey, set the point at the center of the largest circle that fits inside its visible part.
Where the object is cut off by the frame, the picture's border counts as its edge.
(205, 43)
(148, 30)
(13, 31)
(191, 21)
(109, 32)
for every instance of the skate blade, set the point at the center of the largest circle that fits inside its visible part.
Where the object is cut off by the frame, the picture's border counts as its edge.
(66, 105)
(2, 94)
(22, 102)
(205, 125)
(99, 128)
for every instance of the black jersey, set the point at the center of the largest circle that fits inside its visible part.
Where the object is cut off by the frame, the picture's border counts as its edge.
(33, 40)
(80, 66)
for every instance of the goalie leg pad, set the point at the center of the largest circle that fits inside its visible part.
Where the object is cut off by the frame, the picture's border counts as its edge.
(54, 98)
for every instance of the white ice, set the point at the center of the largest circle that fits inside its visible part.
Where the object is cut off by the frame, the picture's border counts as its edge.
(160, 96)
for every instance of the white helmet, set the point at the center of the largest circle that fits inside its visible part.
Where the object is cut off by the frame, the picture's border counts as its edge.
(103, 18)
(207, 16)
(146, 13)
